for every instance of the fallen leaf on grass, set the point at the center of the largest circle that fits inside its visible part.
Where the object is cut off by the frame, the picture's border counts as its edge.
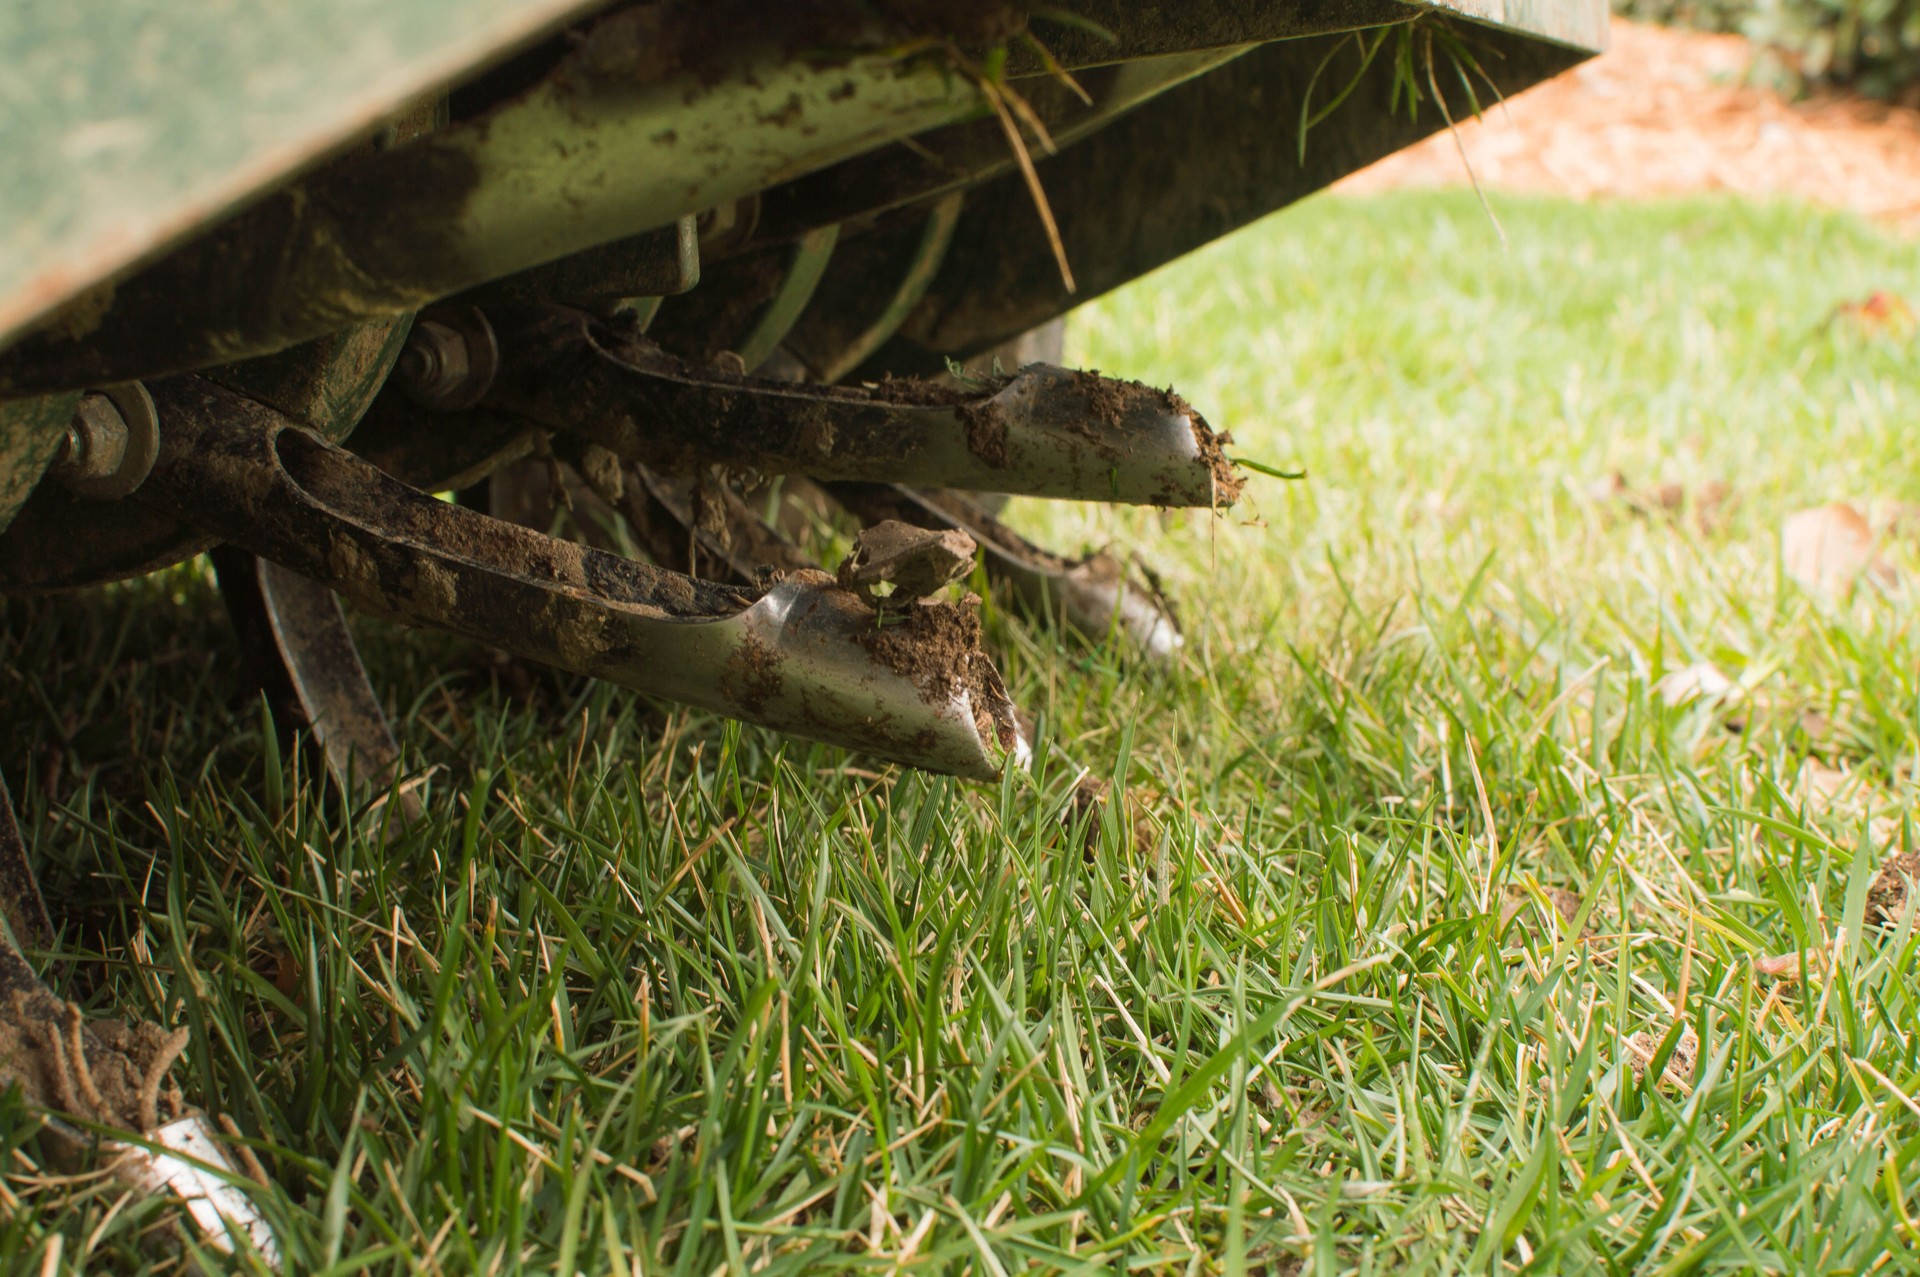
(1700, 681)
(1828, 548)
(1878, 312)
(1708, 503)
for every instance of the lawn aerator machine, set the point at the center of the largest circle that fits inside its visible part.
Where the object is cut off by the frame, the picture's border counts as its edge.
(280, 278)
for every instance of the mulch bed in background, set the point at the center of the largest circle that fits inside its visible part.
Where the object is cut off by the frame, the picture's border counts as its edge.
(1668, 112)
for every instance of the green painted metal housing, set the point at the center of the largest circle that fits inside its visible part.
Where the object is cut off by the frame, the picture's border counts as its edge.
(191, 185)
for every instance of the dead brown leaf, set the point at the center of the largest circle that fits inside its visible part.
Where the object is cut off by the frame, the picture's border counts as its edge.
(1700, 681)
(1829, 548)
(1879, 312)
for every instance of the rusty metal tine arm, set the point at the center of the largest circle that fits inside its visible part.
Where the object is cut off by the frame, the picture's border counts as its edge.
(21, 903)
(295, 639)
(1045, 431)
(1091, 595)
(750, 543)
(804, 657)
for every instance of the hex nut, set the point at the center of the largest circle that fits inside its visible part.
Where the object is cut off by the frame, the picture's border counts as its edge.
(111, 444)
(449, 360)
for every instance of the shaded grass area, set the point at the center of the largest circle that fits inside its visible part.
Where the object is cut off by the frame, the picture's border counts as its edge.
(651, 992)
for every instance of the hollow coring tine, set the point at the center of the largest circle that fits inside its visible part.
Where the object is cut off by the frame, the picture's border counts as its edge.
(1044, 431)
(804, 656)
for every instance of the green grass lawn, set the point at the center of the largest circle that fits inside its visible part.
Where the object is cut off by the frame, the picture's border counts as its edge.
(653, 993)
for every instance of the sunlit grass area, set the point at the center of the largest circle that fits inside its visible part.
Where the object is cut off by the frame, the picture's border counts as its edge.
(1423, 938)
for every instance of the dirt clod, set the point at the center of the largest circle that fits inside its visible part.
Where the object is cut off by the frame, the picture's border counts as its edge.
(752, 675)
(930, 644)
(1892, 887)
(1227, 479)
(1644, 1045)
(986, 427)
(1521, 903)
(936, 647)
(100, 1070)
(917, 562)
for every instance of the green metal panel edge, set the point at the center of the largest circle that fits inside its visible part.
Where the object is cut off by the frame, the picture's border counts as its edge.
(1578, 24)
(129, 124)
(30, 433)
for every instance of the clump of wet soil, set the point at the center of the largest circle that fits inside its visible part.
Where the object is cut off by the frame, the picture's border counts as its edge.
(752, 675)
(102, 1071)
(1227, 479)
(1109, 400)
(929, 644)
(1887, 897)
(1644, 1045)
(936, 647)
(986, 428)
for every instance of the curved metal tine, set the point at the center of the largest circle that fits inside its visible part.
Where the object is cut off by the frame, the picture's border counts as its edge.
(804, 656)
(22, 905)
(1044, 431)
(730, 542)
(298, 647)
(811, 253)
(914, 282)
(1091, 595)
